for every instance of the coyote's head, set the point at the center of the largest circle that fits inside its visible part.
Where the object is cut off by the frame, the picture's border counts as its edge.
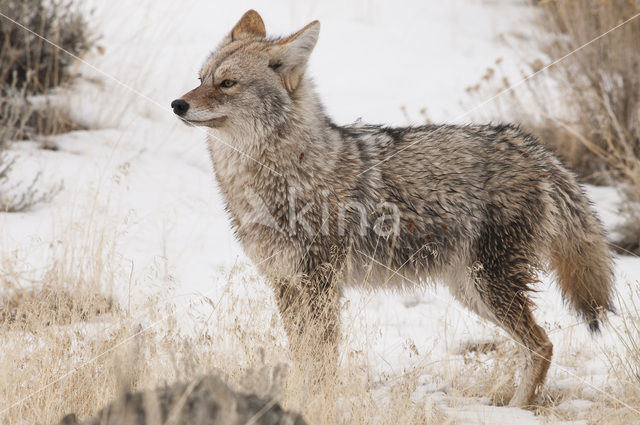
(249, 81)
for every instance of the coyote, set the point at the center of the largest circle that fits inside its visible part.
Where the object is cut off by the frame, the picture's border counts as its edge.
(318, 206)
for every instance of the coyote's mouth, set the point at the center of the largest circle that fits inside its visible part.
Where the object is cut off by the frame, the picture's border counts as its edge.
(212, 122)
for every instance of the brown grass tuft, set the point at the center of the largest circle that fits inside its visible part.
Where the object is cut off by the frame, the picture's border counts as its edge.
(52, 306)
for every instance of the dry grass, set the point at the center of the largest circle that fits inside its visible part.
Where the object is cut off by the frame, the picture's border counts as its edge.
(70, 346)
(587, 106)
(599, 85)
(36, 308)
(627, 363)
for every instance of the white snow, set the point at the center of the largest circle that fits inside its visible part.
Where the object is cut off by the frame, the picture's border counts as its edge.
(146, 177)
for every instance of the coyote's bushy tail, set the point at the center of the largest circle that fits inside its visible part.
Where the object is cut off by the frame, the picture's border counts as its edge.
(581, 257)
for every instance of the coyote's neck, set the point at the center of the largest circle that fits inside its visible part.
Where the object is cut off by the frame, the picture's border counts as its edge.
(305, 138)
(300, 155)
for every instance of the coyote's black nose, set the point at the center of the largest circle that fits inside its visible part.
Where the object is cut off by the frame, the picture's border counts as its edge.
(179, 107)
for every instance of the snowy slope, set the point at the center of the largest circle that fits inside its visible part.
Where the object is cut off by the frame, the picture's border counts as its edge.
(147, 178)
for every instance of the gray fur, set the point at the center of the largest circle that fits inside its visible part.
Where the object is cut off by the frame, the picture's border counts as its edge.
(482, 207)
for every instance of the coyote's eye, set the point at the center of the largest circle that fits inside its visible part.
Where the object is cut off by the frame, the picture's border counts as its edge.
(225, 84)
(275, 65)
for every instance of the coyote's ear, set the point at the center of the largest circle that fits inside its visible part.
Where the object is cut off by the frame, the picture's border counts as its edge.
(250, 25)
(289, 56)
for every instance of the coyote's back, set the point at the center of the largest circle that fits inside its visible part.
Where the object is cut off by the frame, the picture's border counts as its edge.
(318, 206)
(469, 194)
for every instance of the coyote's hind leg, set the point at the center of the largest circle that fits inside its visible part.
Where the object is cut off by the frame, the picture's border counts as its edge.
(513, 314)
(509, 309)
(504, 266)
(503, 284)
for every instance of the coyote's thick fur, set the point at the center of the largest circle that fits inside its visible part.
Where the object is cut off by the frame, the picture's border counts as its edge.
(318, 206)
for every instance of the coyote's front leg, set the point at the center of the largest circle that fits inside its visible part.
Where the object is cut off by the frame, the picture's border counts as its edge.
(309, 308)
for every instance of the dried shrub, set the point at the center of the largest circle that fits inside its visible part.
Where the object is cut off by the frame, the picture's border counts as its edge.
(30, 65)
(600, 84)
(29, 61)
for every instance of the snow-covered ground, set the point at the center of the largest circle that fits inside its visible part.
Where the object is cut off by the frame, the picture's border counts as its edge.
(146, 177)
